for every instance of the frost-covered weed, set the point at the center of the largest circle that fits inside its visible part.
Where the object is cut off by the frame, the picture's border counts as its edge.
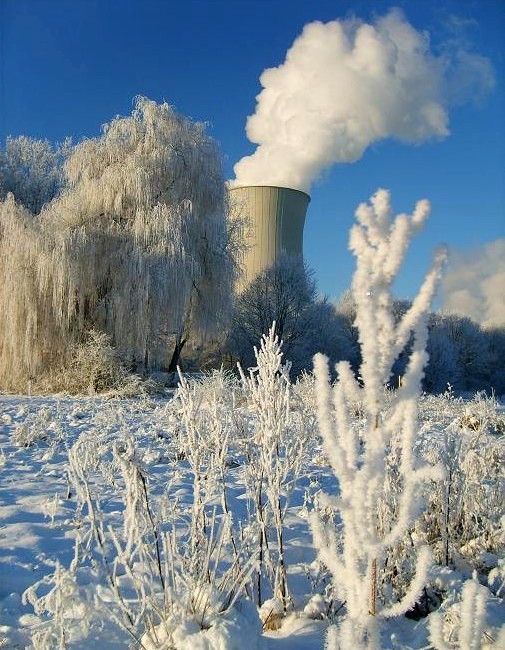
(275, 451)
(64, 609)
(379, 500)
(202, 414)
(303, 410)
(160, 562)
(482, 414)
(496, 577)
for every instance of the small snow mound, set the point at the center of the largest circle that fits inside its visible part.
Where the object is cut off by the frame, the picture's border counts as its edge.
(222, 631)
(271, 613)
(316, 608)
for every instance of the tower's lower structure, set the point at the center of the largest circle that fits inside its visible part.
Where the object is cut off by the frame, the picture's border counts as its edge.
(274, 218)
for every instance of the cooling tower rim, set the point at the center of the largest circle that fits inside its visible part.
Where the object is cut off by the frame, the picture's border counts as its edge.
(276, 187)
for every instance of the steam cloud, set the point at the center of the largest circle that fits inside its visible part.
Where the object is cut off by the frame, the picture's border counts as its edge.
(347, 84)
(475, 284)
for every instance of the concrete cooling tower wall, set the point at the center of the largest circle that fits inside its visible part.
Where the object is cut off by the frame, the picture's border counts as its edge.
(275, 217)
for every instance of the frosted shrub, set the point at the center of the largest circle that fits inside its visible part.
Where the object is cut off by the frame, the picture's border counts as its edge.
(65, 610)
(482, 414)
(202, 419)
(496, 577)
(205, 423)
(95, 366)
(463, 520)
(375, 508)
(304, 419)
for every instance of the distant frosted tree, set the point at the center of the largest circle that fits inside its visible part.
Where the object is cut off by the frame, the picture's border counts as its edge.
(443, 366)
(137, 245)
(472, 350)
(285, 293)
(496, 344)
(32, 170)
(462, 354)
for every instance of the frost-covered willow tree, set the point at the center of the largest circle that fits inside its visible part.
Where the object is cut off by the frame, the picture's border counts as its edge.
(137, 245)
(378, 472)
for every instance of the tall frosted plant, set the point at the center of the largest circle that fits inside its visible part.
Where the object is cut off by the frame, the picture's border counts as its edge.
(356, 549)
(275, 456)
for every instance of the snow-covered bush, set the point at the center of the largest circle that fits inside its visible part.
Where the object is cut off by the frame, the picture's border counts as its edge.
(376, 507)
(39, 426)
(482, 414)
(463, 519)
(65, 610)
(95, 366)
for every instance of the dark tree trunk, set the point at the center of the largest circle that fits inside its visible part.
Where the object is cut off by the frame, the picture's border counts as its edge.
(176, 355)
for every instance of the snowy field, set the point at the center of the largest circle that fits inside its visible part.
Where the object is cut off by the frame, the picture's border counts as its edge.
(112, 511)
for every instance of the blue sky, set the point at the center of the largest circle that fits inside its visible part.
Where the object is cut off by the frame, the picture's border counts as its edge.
(68, 67)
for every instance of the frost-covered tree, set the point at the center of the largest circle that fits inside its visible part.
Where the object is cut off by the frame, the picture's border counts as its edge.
(285, 293)
(32, 170)
(467, 338)
(463, 354)
(137, 246)
(443, 367)
(348, 335)
(496, 345)
(367, 527)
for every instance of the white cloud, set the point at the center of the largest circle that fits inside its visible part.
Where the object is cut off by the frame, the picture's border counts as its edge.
(475, 284)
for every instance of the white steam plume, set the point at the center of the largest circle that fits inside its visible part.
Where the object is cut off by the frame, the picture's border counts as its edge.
(475, 284)
(346, 84)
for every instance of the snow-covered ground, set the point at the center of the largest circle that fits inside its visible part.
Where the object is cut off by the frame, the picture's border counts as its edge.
(42, 516)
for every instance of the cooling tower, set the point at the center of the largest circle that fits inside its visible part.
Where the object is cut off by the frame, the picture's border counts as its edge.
(274, 224)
